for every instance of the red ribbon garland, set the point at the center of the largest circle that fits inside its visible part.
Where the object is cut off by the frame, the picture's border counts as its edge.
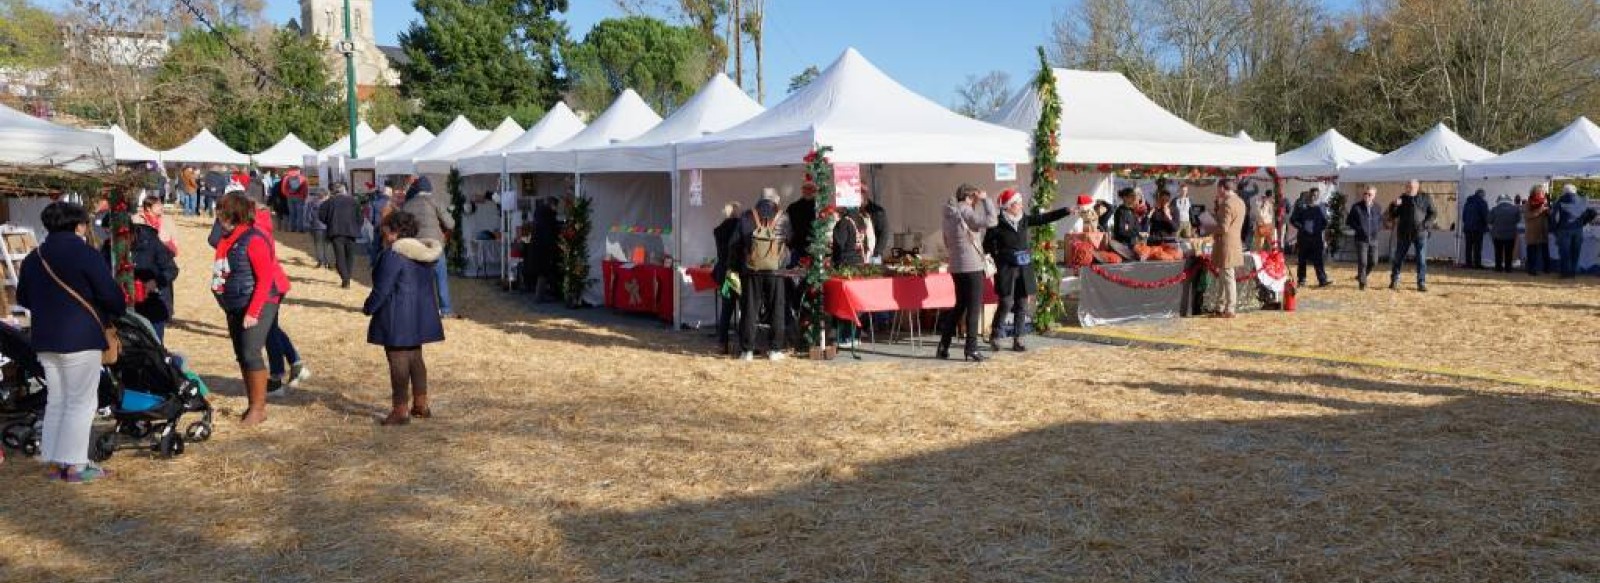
(1200, 262)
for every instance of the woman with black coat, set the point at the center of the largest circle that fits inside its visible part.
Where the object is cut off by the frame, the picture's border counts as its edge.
(1010, 243)
(154, 270)
(853, 243)
(74, 300)
(724, 234)
(404, 306)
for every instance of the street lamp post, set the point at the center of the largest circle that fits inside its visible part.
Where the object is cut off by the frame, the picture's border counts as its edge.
(348, 47)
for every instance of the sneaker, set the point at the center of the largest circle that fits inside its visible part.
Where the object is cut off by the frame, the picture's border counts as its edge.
(298, 373)
(276, 388)
(747, 356)
(84, 474)
(775, 356)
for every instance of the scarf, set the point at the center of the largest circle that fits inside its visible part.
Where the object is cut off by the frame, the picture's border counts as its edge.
(219, 264)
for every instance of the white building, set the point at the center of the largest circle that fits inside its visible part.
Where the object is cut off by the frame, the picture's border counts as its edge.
(325, 19)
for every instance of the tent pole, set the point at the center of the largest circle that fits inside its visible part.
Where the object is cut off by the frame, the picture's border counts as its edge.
(677, 245)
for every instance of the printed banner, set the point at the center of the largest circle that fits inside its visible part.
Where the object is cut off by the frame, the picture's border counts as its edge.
(847, 185)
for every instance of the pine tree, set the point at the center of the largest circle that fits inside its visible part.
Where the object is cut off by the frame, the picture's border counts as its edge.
(485, 59)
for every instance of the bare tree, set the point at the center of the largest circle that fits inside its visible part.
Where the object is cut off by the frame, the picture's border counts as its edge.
(755, 14)
(983, 95)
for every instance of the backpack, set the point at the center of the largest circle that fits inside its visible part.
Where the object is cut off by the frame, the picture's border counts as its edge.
(766, 245)
(290, 185)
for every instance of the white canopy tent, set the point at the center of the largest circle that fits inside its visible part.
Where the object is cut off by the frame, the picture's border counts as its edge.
(459, 134)
(1323, 158)
(627, 118)
(631, 182)
(364, 134)
(129, 149)
(204, 148)
(555, 127)
(1435, 158)
(440, 163)
(1572, 152)
(287, 153)
(414, 141)
(383, 141)
(1243, 136)
(28, 140)
(913, 152)
(1106, 120)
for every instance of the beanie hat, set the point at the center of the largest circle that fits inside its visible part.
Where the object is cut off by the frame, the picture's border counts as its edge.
(1569, 189)
(1085, 200)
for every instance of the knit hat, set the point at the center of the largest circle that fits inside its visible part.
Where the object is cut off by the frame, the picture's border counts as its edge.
(1569, 189)
(1085, 200)
(1007, 197)
(770, 194)
(1503, 198)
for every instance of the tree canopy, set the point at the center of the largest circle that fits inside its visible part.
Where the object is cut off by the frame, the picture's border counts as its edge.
(28, 36)
(665, 64)
(484, 59)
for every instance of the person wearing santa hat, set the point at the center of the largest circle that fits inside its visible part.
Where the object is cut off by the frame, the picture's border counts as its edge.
(1010, 243)
(1088, 214)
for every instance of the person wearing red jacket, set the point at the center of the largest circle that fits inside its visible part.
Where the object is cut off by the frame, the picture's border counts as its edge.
(296, 189)
(249, 286)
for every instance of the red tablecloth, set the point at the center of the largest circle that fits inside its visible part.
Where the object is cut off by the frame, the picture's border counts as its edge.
(641, 288)
(701, 278)
(847, 298)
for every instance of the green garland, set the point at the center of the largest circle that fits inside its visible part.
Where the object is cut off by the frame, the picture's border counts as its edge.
(455, 246)
(119, 222)
(574, 251)
(819, 180)
(1046, 150)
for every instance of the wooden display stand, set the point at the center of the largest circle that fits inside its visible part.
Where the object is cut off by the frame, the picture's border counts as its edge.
(15, 244)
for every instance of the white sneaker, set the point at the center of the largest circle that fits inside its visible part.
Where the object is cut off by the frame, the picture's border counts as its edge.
(747, 356)
(775, 356)
(298, 373)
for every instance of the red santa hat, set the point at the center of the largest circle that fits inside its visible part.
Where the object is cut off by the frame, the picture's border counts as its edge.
(1085, 200)
(1007, 197)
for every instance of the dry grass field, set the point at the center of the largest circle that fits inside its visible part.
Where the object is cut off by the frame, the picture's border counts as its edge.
(565, 452)
(1537, 329)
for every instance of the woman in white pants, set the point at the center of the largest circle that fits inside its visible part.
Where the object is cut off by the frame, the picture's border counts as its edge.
(69, 289)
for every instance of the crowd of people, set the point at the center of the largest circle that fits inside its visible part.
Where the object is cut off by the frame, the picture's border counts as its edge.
(71, 285)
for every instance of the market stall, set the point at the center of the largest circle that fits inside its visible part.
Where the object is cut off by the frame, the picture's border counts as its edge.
(1573, 152)
(1435, 159)
(485, 170)
(289, 152)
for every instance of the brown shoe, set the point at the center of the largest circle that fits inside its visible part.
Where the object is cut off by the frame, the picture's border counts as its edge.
(255, 388)
(397, 413)
(419, 406)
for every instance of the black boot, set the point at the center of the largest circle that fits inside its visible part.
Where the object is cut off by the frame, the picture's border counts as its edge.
(943, 352)
(1016, 345)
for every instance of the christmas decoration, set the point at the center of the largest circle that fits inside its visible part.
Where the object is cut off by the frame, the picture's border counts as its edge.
(455, 246)
(574, 251)
(119, 222)
(1046, 150)
(819, 180)
(1142, 171)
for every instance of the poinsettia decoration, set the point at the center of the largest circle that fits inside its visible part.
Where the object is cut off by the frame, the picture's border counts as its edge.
(1046, 150)
(819, 182)
(119, 222)
(574, 251)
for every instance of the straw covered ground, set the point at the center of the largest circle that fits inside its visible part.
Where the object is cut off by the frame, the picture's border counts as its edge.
(1533, 329)
(564, 452)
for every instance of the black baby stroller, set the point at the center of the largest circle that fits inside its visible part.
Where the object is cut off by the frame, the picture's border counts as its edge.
(22, 392)
(154, 392)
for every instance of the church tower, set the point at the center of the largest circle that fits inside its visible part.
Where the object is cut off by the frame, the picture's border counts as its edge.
(325, 19)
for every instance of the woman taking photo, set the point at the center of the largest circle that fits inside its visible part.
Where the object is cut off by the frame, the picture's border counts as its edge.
(74, 300)
(966, 217)
(405, 313)
(249, 285)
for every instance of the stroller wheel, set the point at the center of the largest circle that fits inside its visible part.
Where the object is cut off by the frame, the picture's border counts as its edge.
(171, 444)
(30, 448)
(104, 446)
(137, 429)
(15, 435)
(198, 431)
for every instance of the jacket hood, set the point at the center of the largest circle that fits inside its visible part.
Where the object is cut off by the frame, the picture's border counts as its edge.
(420, 250)
(422, 185)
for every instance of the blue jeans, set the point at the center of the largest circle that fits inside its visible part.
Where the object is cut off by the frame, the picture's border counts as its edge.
(208, 204)
(160, 329)
(280, 351)
(1420, 246)
(190, 204)
(297, 215)
(442, 268)
(1569, 243)
(1537, 259)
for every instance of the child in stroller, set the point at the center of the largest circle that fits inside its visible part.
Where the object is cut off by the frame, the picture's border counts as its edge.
(153, 392)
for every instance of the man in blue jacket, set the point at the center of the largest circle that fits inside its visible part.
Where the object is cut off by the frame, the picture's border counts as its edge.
(1567, 223)
(1474, 225)
(1310, 221)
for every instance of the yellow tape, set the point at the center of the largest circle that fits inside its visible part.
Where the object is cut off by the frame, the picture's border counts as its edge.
(1100, 335)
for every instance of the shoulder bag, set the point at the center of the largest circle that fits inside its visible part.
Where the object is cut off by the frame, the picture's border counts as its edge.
(113, 342)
